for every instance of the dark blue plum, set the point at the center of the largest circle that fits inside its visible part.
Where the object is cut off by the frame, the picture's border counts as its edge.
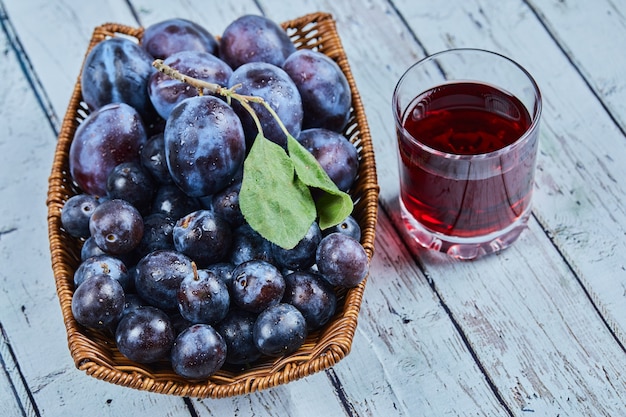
(271, 83)
(225, 203)
(326, 95)
(335, 153)
(179, 322)
(166, 92)
(342, 260)
(170, 36)
(157, 234)
(76, 213)
(98, 302)
(203, 236)
(253, 38)
(237, 331)
(116, 226)
(172, 202)
(248, 244)
(279, 330)
(117, 70)
(90, 248)
(103, 265)
(349, 226)
(158, 276)
(203, 297)
(312, 295)
(145, 335)
(301, 256)
(132, 301)
(152, 158)
(256, 285)
(198, 352)
(223, 270)
(107, 137)
(131, 182)
(204, 145)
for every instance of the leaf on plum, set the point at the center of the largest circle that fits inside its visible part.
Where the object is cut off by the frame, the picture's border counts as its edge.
(334, 205)
(274, 201)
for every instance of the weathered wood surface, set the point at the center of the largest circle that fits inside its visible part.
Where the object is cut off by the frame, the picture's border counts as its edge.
(537, 330)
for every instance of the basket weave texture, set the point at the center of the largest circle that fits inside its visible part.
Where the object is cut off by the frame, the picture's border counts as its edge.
(96, 354)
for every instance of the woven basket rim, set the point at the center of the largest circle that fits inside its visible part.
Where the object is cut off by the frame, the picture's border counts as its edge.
(96, 355)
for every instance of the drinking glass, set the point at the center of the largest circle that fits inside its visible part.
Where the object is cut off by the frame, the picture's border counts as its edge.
(467, 122)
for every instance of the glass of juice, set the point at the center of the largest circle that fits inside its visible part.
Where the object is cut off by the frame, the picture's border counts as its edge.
(467, 122)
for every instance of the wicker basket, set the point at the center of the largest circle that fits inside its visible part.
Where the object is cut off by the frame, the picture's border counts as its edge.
(96, 353)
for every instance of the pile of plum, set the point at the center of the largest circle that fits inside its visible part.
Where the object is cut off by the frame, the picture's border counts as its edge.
(169, 264)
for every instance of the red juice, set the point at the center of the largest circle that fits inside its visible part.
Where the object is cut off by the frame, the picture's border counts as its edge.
(456, 181)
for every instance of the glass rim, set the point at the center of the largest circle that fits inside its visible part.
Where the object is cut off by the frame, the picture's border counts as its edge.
(535, 116)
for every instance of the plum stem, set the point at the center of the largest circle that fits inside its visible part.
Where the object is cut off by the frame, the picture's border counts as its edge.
(229, 93)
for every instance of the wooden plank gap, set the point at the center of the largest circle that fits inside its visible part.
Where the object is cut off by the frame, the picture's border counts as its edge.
(612, 327)
(568, 55)
(29, 72)
(190, 407)
(9, 363)
(408, 27)
(341, 394)
(134, 12)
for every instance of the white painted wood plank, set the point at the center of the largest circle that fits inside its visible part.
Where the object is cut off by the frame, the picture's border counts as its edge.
(215, 17)
(605, 74)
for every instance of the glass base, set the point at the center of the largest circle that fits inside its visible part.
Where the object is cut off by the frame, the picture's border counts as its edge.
(465, 248)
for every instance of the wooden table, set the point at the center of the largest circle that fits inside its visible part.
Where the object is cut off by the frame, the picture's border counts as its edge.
(538, 330)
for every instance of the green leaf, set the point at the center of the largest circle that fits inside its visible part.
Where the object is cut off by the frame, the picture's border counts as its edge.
(273, 200)
(333, 206)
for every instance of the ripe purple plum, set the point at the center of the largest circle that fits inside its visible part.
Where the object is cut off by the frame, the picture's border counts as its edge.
(99, 302)
(152, 158)
(105, 265)
(342, 260)
(158, 276)
(198, 352)
(116, 226)
(117, 70)
(76, 213)
(278, 90)
(145, 334)
(130, 181)
(312, 295)
(169, 36)
(203, 297)
(166, 92)
(325, 91)
(107, 137)
(335, 153)
(257, 285)
(279, 330)
(253, 38)
(236, 329)
(203, 236)
(204, 145)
